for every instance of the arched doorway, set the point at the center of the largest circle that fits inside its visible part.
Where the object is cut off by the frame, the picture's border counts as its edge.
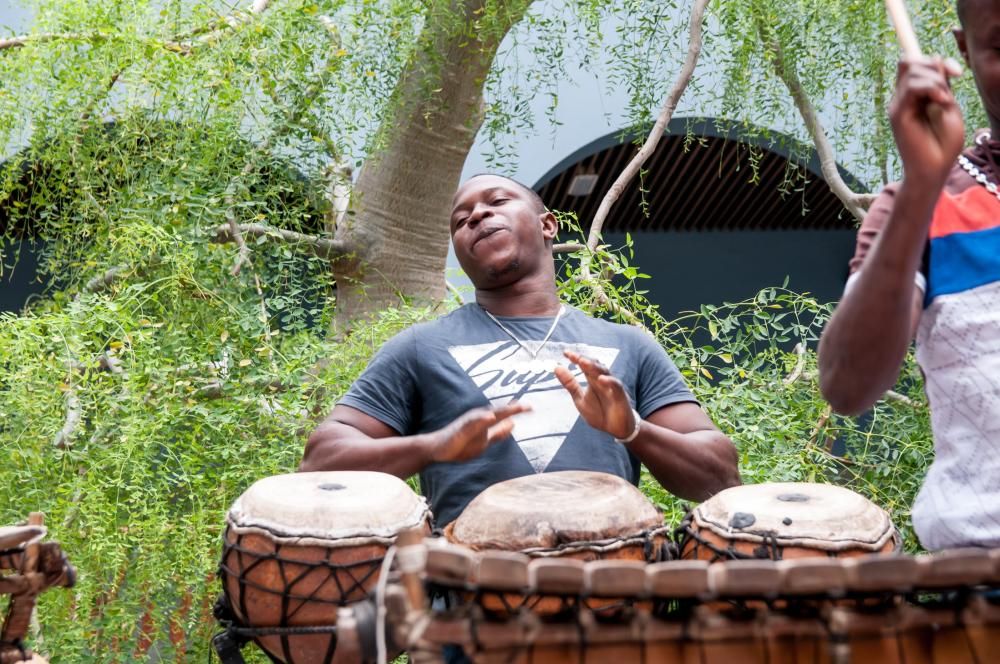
(714, 217)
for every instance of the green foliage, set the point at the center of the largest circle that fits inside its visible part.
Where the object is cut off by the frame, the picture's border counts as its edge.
(844, 53)
(139, 497)
(221, 377)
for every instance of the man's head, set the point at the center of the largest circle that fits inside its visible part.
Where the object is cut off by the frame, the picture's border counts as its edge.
(979, 42)
(501, 231)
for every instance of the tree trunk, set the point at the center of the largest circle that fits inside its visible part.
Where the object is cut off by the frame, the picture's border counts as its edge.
(402, 199)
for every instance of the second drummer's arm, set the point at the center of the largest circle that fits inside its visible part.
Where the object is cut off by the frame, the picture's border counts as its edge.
(865, 342)
(350, 439)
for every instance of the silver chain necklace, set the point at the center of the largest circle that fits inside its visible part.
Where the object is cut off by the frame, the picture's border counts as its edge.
(535, 366)
(977, 174)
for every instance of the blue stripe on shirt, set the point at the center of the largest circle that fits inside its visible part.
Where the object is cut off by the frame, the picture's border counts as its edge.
(963, 261)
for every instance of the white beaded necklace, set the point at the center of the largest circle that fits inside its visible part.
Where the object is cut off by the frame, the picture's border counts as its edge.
(977, 174)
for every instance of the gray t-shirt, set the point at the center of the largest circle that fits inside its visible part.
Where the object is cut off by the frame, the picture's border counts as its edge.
(430, 374)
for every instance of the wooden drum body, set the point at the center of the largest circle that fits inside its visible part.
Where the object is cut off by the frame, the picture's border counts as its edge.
(298, 547)
(786, 521)
(893, 609)
(570, 516)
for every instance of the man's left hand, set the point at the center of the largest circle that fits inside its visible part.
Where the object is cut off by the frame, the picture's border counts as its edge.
(603, 403)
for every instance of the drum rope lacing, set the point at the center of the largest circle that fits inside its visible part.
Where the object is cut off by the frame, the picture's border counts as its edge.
(238, 633)
(646, 537)
(235, 634)
(769, 549)
(356, 584)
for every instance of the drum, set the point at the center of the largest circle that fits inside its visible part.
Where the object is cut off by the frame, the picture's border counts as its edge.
(28, 566)
(786, 521)
(928, 609)
(568, 515)
(297, 547)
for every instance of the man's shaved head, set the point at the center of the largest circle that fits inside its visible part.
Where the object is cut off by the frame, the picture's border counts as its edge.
(977, 42)
(501, 232)
(532, 194)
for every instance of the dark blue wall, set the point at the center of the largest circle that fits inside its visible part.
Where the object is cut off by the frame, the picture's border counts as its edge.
(19, 275)
(691, 269)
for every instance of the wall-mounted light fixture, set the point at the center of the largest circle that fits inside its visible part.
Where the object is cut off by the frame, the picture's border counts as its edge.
(583, 183)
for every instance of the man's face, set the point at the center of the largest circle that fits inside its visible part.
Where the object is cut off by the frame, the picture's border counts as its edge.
(979, 42)
(499, 232)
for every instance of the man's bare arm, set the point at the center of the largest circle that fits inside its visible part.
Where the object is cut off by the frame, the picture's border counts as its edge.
(686, 452)
(865, 342)
(352, 440)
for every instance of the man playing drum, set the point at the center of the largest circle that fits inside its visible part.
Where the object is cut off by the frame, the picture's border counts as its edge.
(927, 266)
(519, 383)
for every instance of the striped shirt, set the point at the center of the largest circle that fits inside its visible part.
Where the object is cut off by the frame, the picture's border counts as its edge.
(958, 350)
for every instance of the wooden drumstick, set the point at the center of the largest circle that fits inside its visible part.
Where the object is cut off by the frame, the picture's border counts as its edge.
(908, 43)
(904, 29)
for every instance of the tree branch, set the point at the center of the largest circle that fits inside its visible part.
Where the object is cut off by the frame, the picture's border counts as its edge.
(820, 424)
(104, 281)
(667, 112)
(265, 319)
(891, 395)
(23, 40)
(74, 412)
(90, 107)
(865, 200)
(322, 247)
(618, 187)
(800, 364)
(115, 274)
(229, 23)
(568, 247)
(243, 253)
(455, 293)
(827, 159)
(614, 307)
(338, 173)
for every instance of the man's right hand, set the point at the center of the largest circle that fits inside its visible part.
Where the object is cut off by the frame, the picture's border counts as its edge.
(926, 120)
(472, 433)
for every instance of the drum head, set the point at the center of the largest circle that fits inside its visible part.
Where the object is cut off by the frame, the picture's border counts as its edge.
(821, 516)
(338, 508)
(549, 510)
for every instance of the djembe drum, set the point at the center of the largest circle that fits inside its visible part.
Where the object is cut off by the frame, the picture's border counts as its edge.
(570, 516)
(786, 521)
(298, 547)
(28, 566)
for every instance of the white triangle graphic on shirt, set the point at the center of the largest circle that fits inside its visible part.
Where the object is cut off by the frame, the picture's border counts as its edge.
(504, 371)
